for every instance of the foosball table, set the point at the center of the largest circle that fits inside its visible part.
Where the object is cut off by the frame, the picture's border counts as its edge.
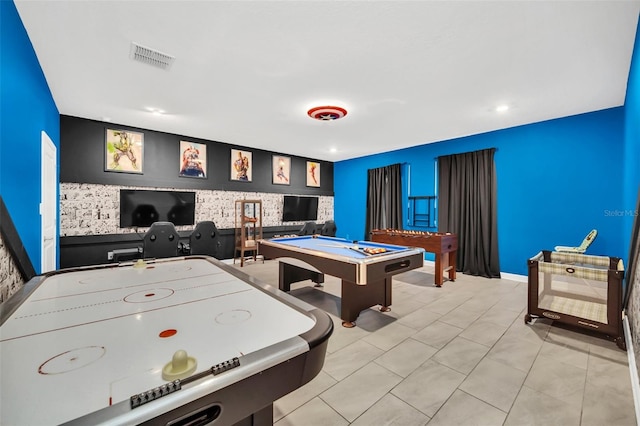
(443, 245)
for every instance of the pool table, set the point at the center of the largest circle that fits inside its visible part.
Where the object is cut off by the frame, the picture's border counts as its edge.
(366, 268)
(183, 340)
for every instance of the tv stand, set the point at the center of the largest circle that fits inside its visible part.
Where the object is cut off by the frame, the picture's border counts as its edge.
(84, 250)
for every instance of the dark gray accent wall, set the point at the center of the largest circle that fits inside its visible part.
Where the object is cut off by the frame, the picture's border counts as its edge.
(82, 160)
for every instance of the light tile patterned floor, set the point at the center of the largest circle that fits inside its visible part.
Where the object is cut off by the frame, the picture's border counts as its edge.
(456, 355)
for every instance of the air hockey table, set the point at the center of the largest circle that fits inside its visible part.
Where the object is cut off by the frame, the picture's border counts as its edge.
(92, 345)
(366, 268)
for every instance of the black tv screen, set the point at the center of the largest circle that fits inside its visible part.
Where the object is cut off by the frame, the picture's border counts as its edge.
(299, 208)
(142, 208)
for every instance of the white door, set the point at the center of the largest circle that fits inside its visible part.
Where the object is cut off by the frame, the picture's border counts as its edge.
(48, 206)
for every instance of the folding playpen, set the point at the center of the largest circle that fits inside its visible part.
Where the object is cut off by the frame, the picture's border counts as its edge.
(577, 289)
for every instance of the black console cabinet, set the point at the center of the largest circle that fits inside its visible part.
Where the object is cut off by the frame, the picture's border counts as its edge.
(95, 249)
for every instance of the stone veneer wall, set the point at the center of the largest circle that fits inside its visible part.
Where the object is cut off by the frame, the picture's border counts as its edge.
(92, 209)
(633, 312)
(10, 277)
(633, 307)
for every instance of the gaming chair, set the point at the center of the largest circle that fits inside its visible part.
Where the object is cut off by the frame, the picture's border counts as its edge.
(309, 228)
(204, 239)
(329, 229)
(161, 240)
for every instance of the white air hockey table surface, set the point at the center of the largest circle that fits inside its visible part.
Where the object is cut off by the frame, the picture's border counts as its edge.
(76, 345)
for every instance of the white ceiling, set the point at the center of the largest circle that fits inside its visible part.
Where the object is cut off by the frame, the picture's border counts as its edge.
(408, 72)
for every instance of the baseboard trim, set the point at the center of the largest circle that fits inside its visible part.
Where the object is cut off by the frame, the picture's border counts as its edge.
(503, 275)
(633, 370)
(514, 277)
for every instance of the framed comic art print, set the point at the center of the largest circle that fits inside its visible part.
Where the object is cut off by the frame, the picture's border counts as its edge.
(313, 173)
(241, 165)
(193, 159)
(281, 169)
(124, 151)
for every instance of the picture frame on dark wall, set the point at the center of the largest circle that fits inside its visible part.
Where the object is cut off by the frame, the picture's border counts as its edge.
(281, 170)
(124, 151)
(241, 165)
(193, 159)
(313, 173)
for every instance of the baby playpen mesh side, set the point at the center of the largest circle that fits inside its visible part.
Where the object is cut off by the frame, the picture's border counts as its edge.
(578, 289)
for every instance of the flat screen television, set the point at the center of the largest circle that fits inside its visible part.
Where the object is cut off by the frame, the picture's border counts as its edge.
(298, 208)
(142, 207)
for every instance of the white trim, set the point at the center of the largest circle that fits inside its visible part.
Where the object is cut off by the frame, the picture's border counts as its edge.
(513, 277)
(503, 275)
(48, 204)
(633, 370)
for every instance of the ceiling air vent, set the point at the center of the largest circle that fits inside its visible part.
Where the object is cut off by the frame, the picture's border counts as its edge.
(151, 57)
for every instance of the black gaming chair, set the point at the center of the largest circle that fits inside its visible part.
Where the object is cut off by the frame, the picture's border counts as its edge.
(161, 240)
(309, 228)
(204, 239)
(329, 229)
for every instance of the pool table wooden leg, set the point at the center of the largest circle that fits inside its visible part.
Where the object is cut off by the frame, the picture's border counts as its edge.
(356, 298)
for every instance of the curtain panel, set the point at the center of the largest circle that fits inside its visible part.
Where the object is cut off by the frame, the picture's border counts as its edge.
(467, 206)
(384, 199)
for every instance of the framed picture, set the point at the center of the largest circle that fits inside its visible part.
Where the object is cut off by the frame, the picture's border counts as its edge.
(281, 170)
(241, 165)
(313, 173)
(123, 151)
(193, 159)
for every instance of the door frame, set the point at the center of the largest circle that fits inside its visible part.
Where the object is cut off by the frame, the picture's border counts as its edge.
(48, 205)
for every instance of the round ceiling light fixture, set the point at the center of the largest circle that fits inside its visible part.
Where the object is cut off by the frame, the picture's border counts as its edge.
(327, 113)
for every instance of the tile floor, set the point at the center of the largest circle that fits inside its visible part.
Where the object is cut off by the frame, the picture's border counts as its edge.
(456, 355)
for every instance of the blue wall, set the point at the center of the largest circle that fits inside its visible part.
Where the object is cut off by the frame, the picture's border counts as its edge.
(26, 109)
(556, 181)
(632, 140)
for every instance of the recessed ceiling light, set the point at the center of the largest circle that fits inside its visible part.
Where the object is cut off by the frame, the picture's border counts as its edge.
(502, 108)
(155, 111)
(333, 150)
